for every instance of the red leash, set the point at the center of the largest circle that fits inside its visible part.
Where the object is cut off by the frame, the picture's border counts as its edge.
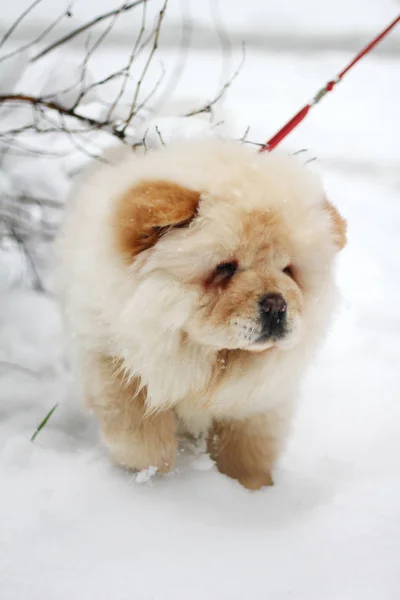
(286, 129)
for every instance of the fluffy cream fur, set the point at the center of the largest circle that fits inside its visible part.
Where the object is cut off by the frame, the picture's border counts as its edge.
(155, 343)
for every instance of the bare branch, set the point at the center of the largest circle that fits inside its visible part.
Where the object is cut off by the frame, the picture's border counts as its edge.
(152, 92)
(69, 112)
(24, 198)
(99, 83)
(21, 17)
(127, 69)
(86, 26)
(244, 139)
(245, 134)
(91, 51)
(258, 144)
(40, 37)
(143, 141)
(11, 365)
(207, 108)
(146, 66)
(184, 46)
(44, 105)
(30, 223)
(79, 145)
(160, 136)
(37, 282)
(224, 40)
(24, 150)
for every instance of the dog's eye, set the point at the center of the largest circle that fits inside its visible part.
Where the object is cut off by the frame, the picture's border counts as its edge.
(227, 269)
(223, 272)
(289, 271)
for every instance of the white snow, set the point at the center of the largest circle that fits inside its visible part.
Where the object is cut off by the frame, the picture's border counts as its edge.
(72, 525)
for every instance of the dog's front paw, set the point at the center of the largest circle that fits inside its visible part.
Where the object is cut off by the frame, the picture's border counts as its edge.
(251, 477)
(138, 454)
(150, 442)
(256, 481)
(244, 450)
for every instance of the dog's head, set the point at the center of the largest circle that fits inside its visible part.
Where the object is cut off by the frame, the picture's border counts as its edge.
(232, 248)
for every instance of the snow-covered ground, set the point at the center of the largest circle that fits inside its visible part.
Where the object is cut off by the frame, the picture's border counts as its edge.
(74, 526)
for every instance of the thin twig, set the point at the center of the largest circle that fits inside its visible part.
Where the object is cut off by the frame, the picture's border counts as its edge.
(208, 107)
(146, 66)
(184, 46)
(246, 133)
(21, 17)
(37, 284)
(106, 79)
(23, 150)
(47, 129)
(127, 68)
(87, 89)
(10, 365)
(160, 136)
(258, 144)
(90, 53)
(50, 202)
(40, 37)
(79, 145)
(152, 91)
(224, 40)
(85, 27)
(69, 112)
(142, 142)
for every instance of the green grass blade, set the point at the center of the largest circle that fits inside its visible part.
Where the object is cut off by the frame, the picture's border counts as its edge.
(43, 423)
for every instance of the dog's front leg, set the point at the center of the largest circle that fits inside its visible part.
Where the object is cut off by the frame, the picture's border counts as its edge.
(247, 449)
(135, 438)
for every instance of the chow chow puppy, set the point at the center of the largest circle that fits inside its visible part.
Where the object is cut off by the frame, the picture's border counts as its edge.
(197, 280)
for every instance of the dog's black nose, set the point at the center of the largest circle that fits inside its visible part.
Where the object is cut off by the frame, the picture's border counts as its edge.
(273, 303)
(273, 309)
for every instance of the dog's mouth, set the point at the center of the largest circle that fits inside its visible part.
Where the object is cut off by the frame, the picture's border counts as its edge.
(268, 331)
(290, 336)
(266, 338)
(273, 333)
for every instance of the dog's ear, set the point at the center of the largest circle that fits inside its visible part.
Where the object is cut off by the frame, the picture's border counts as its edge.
(339, 225)
(148, 210)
